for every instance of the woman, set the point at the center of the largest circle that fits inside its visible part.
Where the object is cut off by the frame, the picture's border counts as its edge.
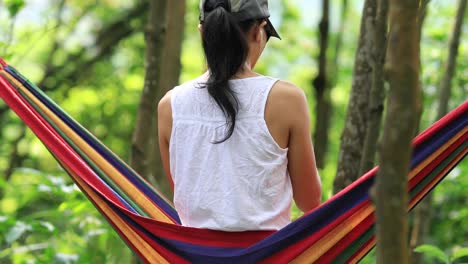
(236, 145)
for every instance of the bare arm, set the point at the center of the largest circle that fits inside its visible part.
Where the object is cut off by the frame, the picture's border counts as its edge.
(164, 134)
(292, 111)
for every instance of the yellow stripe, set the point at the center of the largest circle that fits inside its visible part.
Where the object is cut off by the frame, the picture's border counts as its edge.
(320, 247)
(105, 166)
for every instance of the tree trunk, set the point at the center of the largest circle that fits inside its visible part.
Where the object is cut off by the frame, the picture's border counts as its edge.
(352, 138)
(171, 62)
(155, 34)
(422, 218)
(422, 213)
(377, 95)
(163, 35)
(322, 91)
(404, 102)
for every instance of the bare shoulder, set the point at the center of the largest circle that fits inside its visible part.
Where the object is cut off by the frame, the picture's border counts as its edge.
(286, 94)
(165, 118)
(287, 87)
(164, 105)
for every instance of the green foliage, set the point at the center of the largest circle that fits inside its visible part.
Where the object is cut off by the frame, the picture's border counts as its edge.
(32, 226)
(449, 212)
(44, 218)
(459, 253)
(434, 253)
(14, 6)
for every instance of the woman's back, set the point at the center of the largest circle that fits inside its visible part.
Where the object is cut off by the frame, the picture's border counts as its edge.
(239, 184)
(233, 144)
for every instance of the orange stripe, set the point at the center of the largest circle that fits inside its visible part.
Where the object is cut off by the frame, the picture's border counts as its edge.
(103, 164)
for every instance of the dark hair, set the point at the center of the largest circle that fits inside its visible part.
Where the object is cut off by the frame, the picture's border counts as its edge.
(226, 50)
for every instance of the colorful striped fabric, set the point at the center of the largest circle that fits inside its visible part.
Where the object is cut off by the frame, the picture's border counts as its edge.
(340, 231)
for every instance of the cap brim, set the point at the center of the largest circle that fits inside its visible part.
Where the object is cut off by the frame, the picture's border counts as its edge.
(271, 29)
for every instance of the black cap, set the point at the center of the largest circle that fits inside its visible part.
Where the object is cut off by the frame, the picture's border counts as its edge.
(246, 10)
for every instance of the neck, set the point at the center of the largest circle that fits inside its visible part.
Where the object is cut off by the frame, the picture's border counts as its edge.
(245, 72)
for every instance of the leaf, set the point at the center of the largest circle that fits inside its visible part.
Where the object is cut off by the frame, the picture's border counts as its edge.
(65, 258)
(14, 6)
(42, 227)
(50, 227)
(460, 253)
(433, 252)
(5, 224)
(17, 231)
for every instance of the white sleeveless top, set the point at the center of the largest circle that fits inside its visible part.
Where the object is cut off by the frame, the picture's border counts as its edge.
(240, 184)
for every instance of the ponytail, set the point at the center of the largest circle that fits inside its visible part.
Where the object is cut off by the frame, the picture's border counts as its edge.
(226, 50)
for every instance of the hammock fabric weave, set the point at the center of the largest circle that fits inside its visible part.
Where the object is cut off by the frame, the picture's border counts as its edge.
(339, 231)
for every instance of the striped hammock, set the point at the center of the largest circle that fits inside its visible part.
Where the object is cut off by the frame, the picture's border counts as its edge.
(339, 231)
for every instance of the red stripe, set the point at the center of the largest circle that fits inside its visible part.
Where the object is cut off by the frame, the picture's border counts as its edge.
(170, 256)
(202, 237)
(2, 62)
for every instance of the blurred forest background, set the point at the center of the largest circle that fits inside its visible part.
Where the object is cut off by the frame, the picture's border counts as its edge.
(89, 56)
